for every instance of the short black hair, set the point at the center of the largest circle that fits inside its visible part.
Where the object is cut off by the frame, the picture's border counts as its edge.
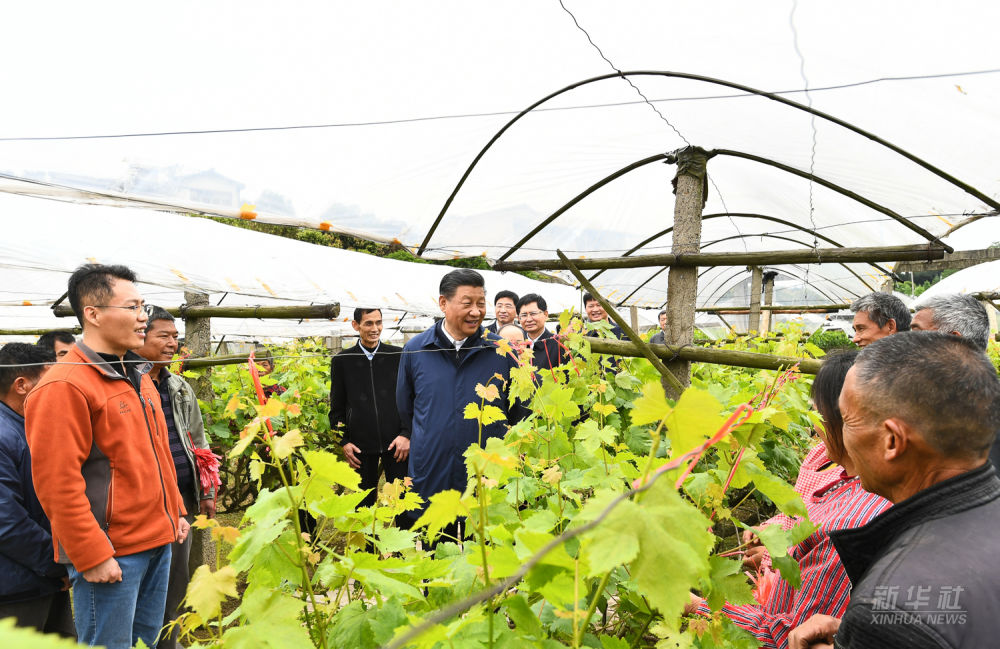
(826, 387)
(48, 339)
(460, 277)
(532, 297)
(93, 281)
(589, 297)
(940, 384)
(883, 307)
(664, 312)
(155, 313)
(361, 312)
(22, 359)
(508, 294)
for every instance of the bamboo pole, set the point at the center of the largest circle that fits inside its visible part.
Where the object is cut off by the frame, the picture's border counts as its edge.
(228, 359)
(775, 307)
(708, 355)
(290, 312)
(38, 332)
(638, 342)
(764, 258)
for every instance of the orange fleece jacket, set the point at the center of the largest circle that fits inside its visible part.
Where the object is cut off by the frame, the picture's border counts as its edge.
(101, 461)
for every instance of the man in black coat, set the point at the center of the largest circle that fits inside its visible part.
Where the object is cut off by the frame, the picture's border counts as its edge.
(363, 405)
(505, 308)
(920, 413)
(533, 312)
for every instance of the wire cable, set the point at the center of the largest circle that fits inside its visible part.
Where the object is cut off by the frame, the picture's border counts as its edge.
(500, 113)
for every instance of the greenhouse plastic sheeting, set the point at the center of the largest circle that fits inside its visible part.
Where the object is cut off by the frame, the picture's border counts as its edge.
(406, 94)
(172, 253)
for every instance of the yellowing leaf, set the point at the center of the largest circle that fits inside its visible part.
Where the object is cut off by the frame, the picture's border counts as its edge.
(503, 347)
(488, 393)
(651, 406)
(605, 408)
(201, 522)
(249, 434)
(472, 411)
(552, 475)
(293, 409)
(233, 405)
(272, 408)
(492, 414)
(282, 446)
(224, 533)
(208, 589)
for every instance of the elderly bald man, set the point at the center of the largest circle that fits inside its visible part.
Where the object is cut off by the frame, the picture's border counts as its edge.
(920, 412)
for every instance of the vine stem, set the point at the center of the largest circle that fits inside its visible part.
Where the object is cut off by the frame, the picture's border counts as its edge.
(578, 633)
(306, 579)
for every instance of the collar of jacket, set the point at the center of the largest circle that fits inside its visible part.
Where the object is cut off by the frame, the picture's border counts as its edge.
(106, 368)
(473, 343)
(860, 547)
(6, 412)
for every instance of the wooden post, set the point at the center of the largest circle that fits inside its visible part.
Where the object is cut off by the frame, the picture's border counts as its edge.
(765, 316)
(991, 314)
(633, 312)
(682, 282)
(756, 282)
(198, 340)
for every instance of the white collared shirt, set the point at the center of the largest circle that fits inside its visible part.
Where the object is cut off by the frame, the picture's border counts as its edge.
(369, 354)
(452, 339)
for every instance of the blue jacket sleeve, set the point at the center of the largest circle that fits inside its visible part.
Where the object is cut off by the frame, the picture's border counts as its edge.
(21, 539)
(404, 395)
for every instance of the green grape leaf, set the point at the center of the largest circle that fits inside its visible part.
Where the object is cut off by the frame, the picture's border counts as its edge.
(444, 508)
(651, 406)
(693, 420)
(329, 468)
(727, 583)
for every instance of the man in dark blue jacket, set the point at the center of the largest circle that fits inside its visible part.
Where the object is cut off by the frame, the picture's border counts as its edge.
(438, 374)
(33, 588)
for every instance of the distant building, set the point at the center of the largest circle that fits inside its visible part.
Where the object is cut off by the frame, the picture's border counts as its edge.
(274, 203)
(211, 188)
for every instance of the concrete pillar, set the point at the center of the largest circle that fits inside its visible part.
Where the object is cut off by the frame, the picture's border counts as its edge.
(682, 282)
(756, 287)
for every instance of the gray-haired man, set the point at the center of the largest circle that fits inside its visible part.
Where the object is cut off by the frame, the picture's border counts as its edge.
(878, 315)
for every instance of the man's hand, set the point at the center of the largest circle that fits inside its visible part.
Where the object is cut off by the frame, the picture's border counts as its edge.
(65, 584)
(106, 572)
(755, 551)
(401, 446)
(693, 603)
(815, 633)
(207, 507)
(351, 452)
(183, 527)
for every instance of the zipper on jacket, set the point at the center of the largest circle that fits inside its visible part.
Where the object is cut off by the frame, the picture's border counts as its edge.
(156, 457)
(378, 422)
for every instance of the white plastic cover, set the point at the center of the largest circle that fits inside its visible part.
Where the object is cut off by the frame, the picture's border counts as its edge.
(408, 93)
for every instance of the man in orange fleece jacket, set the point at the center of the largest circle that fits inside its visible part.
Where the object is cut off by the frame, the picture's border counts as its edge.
(102, 467)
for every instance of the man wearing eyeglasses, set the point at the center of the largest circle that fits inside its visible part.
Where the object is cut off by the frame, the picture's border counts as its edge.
(533, 312)
(102, 466)
(505, 308)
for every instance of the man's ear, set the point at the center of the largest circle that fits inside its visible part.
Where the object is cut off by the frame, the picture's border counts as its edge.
(891, 326)
(897, 436)
(442, 300)
(356, 326)
(21, 386)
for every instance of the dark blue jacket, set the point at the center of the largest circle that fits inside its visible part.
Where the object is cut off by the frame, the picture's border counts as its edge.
(435, 385)
(27, 570)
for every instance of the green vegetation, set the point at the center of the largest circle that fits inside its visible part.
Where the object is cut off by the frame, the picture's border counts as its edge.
(563, 548)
